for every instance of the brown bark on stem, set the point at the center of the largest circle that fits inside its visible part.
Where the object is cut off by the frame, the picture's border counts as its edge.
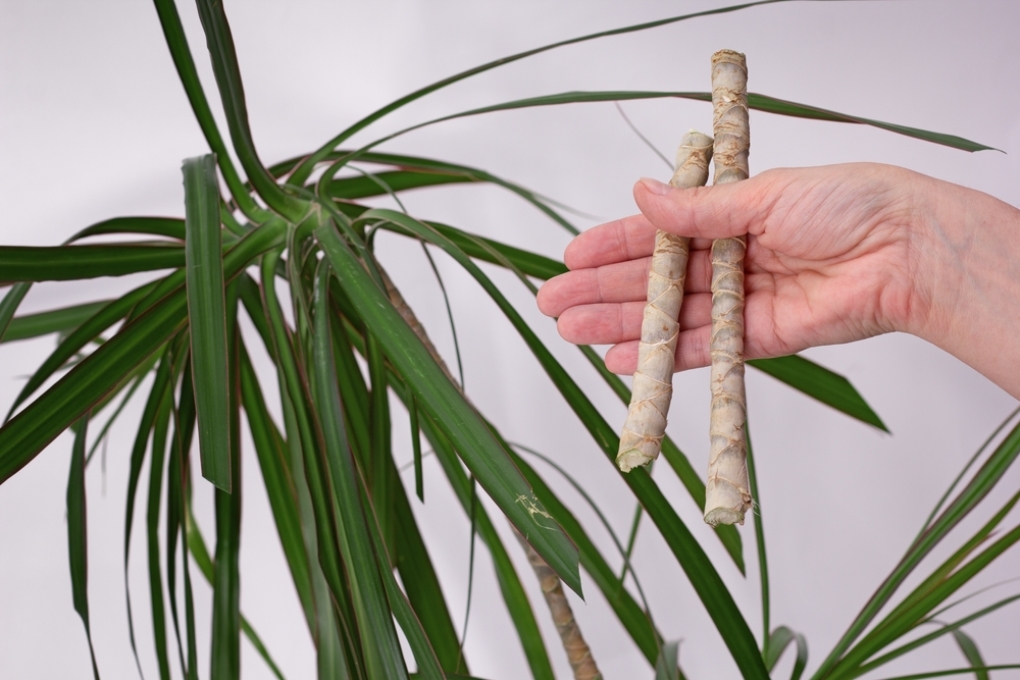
(578, 652)
(653, 380)
(727, 493)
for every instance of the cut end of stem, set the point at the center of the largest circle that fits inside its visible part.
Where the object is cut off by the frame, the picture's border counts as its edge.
(633, 458)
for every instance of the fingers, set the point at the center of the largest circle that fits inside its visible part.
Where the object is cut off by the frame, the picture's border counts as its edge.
(692, 351)
(704, 212)
(617, 241)
(610, 324)
(613, 283)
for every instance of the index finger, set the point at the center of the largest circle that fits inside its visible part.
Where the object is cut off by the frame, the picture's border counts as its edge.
(621, 240)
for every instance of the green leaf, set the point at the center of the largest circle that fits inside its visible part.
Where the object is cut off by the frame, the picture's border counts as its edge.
(437, 395)
(820, 383)
(759, 102)
(77, 535)
(160, 390)
(955, 671)
(88, 331)
(177, 42)
(637, 621)
(381, 647)
(25, 435)
(516, 600)
(200, 553)
(207, 318)
(180, 446)
(667, 666)
(73, 263)
(53, 321)
(339, 653)
(171, 227)
(925, 639)
(156, 465)
(759, 539)
(689, 477)
(280, 485)
(971, 652)
(228, 79)
(980, 485)
(303, 170)
(9, 305)
(487, 250)
(777, 643)
(226, 598)
(691, 557)
(419, 473)
(349, 188)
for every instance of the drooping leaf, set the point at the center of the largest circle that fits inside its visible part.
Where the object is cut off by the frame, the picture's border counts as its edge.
(53, 321)
(434, 391)
(207, 318)
(228, 79)
(691, 557)
(177, 42)
(25, 435)
(9, 305)
(822, 384)
(303, 170)
(77, 536)
(382, 649)
(225, 659)
(758, 102)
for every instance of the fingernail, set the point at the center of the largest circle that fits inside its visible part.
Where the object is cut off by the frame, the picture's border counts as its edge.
(655, 186)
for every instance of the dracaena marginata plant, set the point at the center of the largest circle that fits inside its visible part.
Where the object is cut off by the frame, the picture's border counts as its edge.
(284, 259)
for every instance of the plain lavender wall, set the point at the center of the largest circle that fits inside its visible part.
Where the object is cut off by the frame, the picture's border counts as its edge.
(93, 124)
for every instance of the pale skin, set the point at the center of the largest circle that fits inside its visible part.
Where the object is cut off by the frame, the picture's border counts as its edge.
(835, 254)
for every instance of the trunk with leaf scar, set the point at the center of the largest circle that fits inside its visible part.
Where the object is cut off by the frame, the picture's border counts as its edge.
(727, 493)
(653, 381)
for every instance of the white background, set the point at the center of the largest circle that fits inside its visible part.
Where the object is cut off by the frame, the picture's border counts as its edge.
(93, 124)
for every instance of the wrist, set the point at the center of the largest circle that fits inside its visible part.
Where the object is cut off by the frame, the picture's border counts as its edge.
(966, 279)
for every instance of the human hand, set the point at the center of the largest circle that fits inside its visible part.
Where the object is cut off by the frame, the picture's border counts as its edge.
(833, 255)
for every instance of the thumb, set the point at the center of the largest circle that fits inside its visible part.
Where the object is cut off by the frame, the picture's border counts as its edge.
(700, 212)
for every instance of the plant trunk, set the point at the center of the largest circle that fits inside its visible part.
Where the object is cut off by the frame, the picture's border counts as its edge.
(653, 380)
(578, 652)
(727, 493)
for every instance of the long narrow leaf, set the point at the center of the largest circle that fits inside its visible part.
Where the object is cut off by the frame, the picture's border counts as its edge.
(228, 79)
(434, 391)
(170, 227)
(200, 553)
(980, 485)
(9, 305)
(177, 42)
(759, 102)
(691, 557)
(822, 384)
(157, 461)
(25, 435)
(279, 483)
(207, 318)
(53, 321)
(85, 333)
(382, 649)
(306, 167)
(73, 263)
(77, 536)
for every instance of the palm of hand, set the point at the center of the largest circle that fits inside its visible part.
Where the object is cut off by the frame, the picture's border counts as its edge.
(826, 248)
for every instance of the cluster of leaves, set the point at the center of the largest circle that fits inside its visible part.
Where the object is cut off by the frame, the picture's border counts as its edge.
(343, 517)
